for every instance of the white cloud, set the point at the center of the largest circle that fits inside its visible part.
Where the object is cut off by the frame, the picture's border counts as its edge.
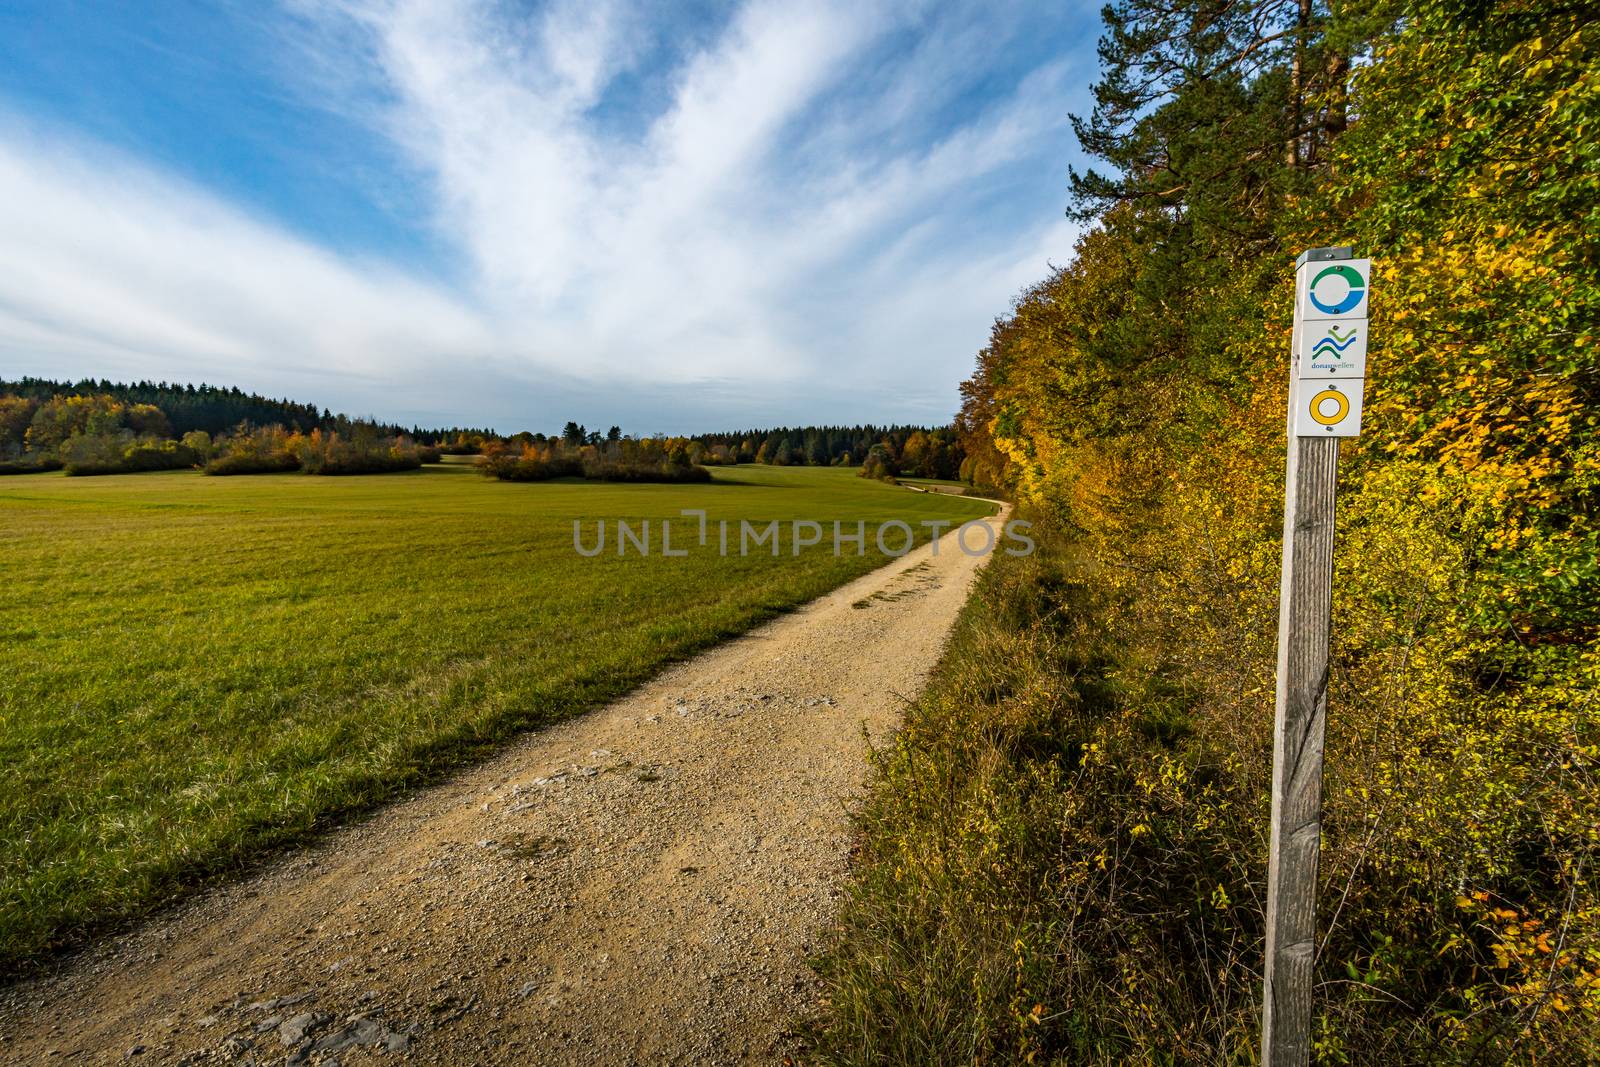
(104, 256)
(763, 223)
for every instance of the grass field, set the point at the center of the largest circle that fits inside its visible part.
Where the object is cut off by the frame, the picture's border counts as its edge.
(949, 483)
(194, 669)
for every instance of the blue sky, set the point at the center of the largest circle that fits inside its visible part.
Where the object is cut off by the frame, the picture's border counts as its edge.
(672, 216)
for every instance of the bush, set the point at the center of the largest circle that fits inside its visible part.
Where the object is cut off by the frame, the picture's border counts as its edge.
(880, 465)
(259, 450)
(626, 460)
(1064, 850)
(357, 461)
(200, 441)
(529, 468)
(878, 468)
(617, 471)
(253, 463)
(1459, 919)
(111, 455)
(360, 453)
(272, 450)
(29, 464)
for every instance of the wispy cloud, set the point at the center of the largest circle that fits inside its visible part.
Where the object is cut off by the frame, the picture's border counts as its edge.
(806, 204)
(103, 256)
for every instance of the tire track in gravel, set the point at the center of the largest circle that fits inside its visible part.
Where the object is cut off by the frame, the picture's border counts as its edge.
(644, 883)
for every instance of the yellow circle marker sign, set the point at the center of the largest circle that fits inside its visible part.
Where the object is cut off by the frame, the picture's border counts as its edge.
(1329, 407)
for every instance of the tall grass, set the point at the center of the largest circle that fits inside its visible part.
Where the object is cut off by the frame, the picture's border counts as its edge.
(1063, 856)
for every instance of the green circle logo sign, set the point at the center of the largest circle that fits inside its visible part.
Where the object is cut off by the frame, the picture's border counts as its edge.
(1351, 277)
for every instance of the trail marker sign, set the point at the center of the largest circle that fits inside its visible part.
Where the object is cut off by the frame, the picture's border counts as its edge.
(1332, 348)
(1332, 292)
(1329, 355)
(1327, 408)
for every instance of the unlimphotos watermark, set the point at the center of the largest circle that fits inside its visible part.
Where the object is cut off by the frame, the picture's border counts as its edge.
(742, 537)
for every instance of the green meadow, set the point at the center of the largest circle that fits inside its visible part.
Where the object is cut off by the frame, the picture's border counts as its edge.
(194, 670)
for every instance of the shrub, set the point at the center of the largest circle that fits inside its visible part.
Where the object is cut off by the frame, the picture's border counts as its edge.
(259, 450)
(624, 460)
(879, 464)
(117, 455)
(200, 441)
(1064, 848)
(606, 471)
(529, 468)
(878, 468)
(29, 464)
(332, 453)
(271, 450)
(253, 463)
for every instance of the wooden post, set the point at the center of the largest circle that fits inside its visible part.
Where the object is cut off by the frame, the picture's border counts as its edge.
(1332, 409)
(1301, 716)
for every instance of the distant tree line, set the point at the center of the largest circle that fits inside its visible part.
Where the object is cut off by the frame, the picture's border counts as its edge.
(218, 410)
(186, 407)
(918, 451)
(881, 451)
(112, 433)
(96, 426)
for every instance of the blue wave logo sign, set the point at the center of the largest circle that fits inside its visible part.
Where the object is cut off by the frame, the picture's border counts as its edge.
(1327, 283)
(1333, 344)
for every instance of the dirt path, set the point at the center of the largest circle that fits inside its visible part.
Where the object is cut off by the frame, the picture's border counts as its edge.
(642, 884)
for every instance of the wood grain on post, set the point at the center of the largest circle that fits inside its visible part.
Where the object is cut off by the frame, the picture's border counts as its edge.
(1300, 719)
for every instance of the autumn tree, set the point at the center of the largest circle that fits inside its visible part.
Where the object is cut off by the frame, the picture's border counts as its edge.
(16, 414)
(1134, 398)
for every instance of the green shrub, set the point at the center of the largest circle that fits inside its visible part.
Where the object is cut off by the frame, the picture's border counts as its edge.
(621, 460)
(253, 463)
(362, 452)
(271, 450)
(529, 468)
(114, 455)
(619, 471)
(359, 461)
(879, 464)
(29, 464)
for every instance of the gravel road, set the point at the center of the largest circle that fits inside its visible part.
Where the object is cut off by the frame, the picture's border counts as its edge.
(643, 884)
